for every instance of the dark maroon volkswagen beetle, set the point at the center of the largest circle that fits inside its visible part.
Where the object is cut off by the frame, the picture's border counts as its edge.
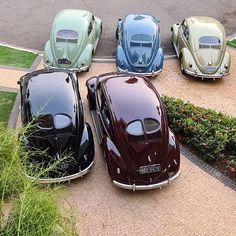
(140, 150)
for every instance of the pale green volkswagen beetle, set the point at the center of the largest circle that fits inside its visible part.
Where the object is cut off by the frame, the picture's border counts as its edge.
(200, 44)
(74, 38)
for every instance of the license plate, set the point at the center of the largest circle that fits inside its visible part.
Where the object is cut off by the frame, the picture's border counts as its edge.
(64, 61)
(149, 169)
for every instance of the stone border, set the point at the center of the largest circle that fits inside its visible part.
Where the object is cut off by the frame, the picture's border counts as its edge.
(207, 168)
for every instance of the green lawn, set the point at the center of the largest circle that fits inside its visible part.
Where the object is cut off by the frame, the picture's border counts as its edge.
(6, 103)
(232, 43)
(13, 57)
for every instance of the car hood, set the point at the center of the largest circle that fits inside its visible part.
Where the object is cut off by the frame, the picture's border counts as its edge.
(67, 51)
(208, 60)
(140, 57)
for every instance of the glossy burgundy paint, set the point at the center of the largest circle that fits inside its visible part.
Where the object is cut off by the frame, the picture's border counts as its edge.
(130, 98)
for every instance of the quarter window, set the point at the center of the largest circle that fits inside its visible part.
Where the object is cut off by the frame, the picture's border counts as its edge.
(61, 121)
(90, 28)
(151, 125)
(45, 122)
(135, 128)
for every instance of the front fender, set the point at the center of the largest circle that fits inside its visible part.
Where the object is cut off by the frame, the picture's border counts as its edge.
(47, 55)
(98, 27)
(91, 87)
(174, 29)
(121, 60)
(85, 58)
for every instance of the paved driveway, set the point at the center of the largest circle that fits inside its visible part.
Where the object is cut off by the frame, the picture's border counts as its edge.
(195, 204)
(27, 23)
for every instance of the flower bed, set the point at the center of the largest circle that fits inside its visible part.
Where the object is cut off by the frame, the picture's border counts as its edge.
(210, 134)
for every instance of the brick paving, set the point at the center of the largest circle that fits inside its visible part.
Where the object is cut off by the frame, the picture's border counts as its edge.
(195, 204)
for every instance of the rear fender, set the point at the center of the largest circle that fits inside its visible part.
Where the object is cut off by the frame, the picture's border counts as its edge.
(85, 58)
(187, 60)
(114, 159)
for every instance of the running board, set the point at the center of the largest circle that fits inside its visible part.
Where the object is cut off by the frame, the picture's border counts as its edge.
(96, 125)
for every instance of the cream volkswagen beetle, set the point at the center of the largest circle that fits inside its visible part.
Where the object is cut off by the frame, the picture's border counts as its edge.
(200, 44)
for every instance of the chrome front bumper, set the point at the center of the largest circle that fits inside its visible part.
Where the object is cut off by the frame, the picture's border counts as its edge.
(61, 179)
(148, 74)
(147, 187)
(85, 68)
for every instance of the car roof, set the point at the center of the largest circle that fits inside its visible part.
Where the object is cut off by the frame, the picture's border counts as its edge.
(72, 19)
(140, 24)
(131, 98)
(50, 93)
(205, 26)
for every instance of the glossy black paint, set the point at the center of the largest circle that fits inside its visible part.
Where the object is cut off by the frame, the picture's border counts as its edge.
(49, 93)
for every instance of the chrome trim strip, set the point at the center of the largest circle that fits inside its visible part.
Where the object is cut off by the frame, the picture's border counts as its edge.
(137, 73)
(62, 179)
(147, 187)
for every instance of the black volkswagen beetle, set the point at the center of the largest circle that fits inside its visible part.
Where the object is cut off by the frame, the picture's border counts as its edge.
(58, 140)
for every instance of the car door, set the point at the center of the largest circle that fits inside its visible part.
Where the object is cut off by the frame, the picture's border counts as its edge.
(103, 114)
(183, 36)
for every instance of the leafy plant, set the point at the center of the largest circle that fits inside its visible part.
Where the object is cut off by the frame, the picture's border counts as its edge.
(210, 133)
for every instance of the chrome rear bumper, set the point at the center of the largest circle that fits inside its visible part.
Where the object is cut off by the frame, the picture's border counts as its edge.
(148, 74)
(147, 187)
(61, 179)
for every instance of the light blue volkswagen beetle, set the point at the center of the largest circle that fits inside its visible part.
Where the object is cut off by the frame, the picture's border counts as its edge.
(74, 38)
(139, 45)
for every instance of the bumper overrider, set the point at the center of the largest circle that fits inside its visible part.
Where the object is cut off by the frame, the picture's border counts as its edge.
(147, 187)
(61, 179)
(85, 68)
(148, 74)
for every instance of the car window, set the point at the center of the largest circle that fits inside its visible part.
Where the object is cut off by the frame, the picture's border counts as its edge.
(45, 122)
(61, 121)
(135, 128)
(151, 125)
(209, 42)
(186, 33)
(140, 40)
(90, 28)
(69, 36)
(105, 114)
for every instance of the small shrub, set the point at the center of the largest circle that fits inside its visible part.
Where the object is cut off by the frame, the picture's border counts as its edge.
(210, 133)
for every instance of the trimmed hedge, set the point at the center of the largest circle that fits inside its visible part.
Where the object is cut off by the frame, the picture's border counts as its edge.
(210, 133)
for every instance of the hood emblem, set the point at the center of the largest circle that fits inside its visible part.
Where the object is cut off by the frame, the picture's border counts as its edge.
(149, 159)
